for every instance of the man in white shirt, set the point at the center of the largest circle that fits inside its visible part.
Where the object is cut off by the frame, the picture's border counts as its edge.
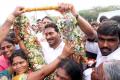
(108, 34)
(108, 42)
(55, 42)
(49, 52)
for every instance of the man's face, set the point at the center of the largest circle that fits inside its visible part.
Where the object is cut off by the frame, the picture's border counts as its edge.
(40, 25)
(34, 27)
(46, 21)
(107, 44)
(7, 48)
(52, 36)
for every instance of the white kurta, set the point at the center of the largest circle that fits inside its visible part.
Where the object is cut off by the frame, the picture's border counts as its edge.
(49, 53)
(113, 56)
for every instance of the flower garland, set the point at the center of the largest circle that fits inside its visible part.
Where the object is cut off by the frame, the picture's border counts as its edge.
(35, 57)
(71, 32)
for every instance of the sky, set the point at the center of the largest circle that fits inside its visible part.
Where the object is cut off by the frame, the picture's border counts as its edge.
(7, 6)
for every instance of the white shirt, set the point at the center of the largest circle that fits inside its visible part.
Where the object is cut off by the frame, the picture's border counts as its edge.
(51, 54)
(91, 47)
(114, 55)
(87, 74)
(43, 42)
(17, 47)
(41, 38)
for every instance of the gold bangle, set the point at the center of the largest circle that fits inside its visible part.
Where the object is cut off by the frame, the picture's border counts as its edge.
(11, 18)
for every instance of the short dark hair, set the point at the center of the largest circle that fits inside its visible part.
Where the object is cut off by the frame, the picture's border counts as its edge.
(116, 18)
(46, 17)
(103, 18)
(73, 69)
(11, 35)
(109, 27)
(52, 25)
(38, 20)
(10, 40)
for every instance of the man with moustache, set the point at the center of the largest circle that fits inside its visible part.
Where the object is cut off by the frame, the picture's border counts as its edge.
(108, 35)
(55, 42)
(108, 44)
(108, 41)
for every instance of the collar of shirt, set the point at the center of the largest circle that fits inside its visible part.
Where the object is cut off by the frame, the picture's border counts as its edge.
(114, 55)
(51, 54)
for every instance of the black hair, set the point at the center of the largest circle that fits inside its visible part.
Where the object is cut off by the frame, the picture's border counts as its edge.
(9, 40)
(52, 25)
(116, 18)
(102, 18)
(21, 54)
(46, 17)
(38, 20)
(109, 28)
(11, 35)
(18, 53)
(73, 69)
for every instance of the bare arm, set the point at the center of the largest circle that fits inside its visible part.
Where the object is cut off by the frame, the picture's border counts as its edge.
(83, 24)
(8, 23)
(40, 75)
(4, 30)
(86, 28)
(23, 47)
(46, 70)
(20, 41)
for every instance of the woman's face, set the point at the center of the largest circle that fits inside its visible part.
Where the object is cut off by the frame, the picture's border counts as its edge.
(19, 65)
(7, 48)
(61, 75)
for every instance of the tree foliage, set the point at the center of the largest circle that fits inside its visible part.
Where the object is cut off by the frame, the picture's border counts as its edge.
(92, 14)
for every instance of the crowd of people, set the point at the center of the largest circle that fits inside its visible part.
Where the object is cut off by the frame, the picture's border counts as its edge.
(55, 58)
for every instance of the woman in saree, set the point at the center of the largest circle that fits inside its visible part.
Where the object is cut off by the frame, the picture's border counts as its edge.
(22, 70)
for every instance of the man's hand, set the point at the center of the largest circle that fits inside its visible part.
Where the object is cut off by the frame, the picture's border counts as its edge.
(68, 49)
(18, 11)
(65, 7)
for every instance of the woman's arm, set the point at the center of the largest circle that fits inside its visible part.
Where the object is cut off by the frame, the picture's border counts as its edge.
(46, 70)
(20, 41)
(8, 23)
(23, 47)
